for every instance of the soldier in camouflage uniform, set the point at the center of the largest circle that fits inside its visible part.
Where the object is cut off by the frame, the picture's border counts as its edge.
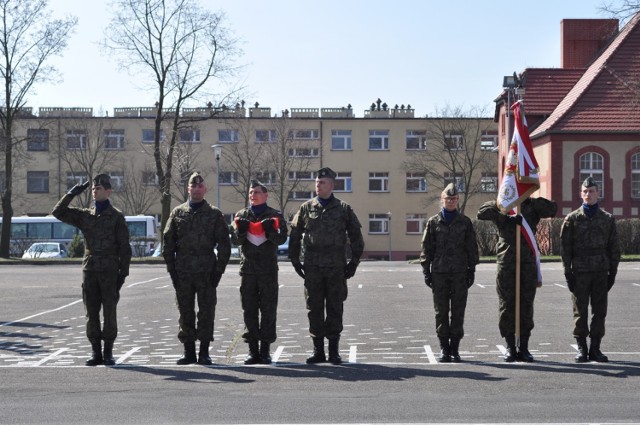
(192, 232)
(105, 264)
(532, 209)
(258, 230)
(449, 257)
(590, 256)
(325, 225)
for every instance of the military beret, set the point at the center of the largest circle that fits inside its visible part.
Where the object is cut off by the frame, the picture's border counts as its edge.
(196, 178)
(257, 183)
(326, 172)
(589, 182)
(102, 180)
(450, 190)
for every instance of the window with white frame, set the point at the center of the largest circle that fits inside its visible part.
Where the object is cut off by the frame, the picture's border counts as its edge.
(341, 140)
(302, 175)
(378, 182)
(454, 141)
(456, 178)
(267, 177)
(228, 178)
(343, 182)
(189, 135)
(416, 140)
(37, 182)
(416, 223)
(592, 165)
(301, 195)
(76, 139)
(113, 139)
(265, 136)
(75, 177)
(379, 224)
(148, 136)
(304, 152)
(378, 140)
(489, 182)
(488, 140)
(228, 136)
(635, 175)
(117, 180)
(150, 178)
(304, 134)
(416, 182)
(37, 139)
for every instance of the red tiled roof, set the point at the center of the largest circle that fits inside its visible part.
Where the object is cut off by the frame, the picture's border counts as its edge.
(546, 87)
(605, 99)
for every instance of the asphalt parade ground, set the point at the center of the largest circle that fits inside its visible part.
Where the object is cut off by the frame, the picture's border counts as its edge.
(389, 348)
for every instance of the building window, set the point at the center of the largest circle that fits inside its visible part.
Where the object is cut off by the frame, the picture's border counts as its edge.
(74, 178)
(113, 139)
(37, 139)
(76, 139)
(379, 224)
(378, 182)
(267, 177)
(304, 134)
(227, 136)
(592, 165)
(302, 175)
(416, 182)
(117, 180)
(304, 152)
(457, 179)
(150, 178)
(265, 136)
(148, 136)
(416, 223)
(416, 140)
(37, 182)
(489, 182)
(343, 182)
(454, 141)
(635, 175)
(229, 178)
(301, 195)
(341, 140)
(378, 140)
(189, 135)
(489, 140)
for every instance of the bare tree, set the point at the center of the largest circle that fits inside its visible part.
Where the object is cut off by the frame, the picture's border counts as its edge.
(29, 38)
(184, 49)
(623, 10)
(454, 154)
(137, 194)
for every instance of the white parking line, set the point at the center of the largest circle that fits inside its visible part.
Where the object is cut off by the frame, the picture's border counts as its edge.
(126, 355)
(353, 350)
(145, 281)
(277, 353)
(502, 349)
(49, 357)
(430, 355)
(40, 314)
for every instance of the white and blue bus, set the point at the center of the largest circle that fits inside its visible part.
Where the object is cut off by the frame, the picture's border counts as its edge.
(27, 230)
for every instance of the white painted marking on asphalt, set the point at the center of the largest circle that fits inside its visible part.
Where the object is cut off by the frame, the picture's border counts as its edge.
(277, 353)
(575, 346)
(502, 349)
(353, 351)
(360, 286)
(49, 357)
(430, 355)
(636, 284)
(400, 285)
(39, 314)
(482, 286)
(126, 355)
(560, 285)
(144, 281)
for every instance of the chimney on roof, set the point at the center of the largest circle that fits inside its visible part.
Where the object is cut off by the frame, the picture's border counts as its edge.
(582, 39)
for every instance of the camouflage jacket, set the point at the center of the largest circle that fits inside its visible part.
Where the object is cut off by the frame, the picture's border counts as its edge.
(106, 236)
(190, 237)
(263, 258)
(449, 248)
(325, 233)
(590, 244)
(532, 209)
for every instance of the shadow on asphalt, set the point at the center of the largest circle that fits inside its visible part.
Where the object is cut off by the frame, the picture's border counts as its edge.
(613, 369)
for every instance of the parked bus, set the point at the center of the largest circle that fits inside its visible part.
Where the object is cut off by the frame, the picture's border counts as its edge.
(27, 230)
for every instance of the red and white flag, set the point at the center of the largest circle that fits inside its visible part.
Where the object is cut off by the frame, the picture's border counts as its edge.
(521, 177)
(256, 234)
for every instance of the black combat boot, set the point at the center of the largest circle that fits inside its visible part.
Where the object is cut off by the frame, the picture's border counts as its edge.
(523, 353)
(455, 345)
(334, 352)
(108, 354)
(594, 351)
(96, 355)
(265, 355)
(318, 352)
(445, 351)
(254, 355)
(512, 353)
(203, 356)
(583, 350)
(189, 355)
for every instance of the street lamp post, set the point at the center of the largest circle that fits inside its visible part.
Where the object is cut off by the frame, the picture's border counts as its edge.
(389, 216)
(217, 151)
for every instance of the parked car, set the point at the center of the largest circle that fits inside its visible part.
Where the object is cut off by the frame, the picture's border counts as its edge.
(46, 250)
(283, 250)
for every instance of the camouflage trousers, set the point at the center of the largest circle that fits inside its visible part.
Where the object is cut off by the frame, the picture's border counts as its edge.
(325, 287)
(590, 287)
(100, 291)
(259, 297)
(450, 297)
(506, 288)
(192, 286)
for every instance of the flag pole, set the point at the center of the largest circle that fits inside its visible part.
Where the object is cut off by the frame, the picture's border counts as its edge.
(517, 319)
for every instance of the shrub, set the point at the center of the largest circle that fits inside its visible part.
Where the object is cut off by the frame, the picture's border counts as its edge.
(76, 246)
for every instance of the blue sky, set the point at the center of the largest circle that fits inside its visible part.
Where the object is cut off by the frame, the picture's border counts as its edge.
(303, 54)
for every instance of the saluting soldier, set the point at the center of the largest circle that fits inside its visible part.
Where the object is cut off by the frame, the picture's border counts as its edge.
(590, 256)
(192, 232)
(449, 257)
(258, 230)
(105, 265)
(325, 226)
